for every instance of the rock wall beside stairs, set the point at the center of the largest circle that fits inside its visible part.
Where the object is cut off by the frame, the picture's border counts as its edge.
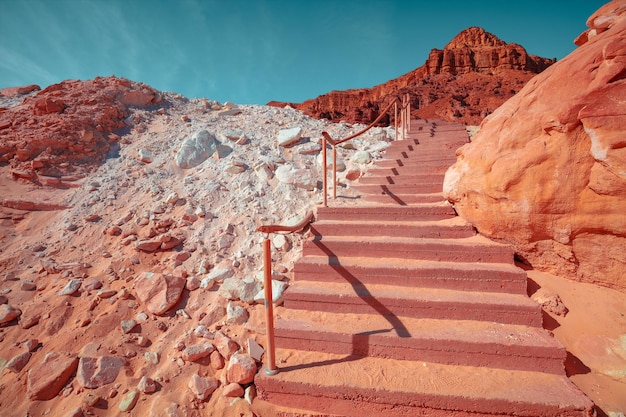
(547, 171)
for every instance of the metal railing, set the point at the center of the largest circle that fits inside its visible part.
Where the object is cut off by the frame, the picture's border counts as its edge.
(267, 283)
(405, 115)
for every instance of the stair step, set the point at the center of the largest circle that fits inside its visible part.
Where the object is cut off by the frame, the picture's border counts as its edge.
(413, 162)
(402, 199)
(356, 297)
(452, 342)
(471, 249)
(453, 227)
(428, 211)
(354, 387)
(423, 188)
(402, 179)
(414, 273)
(410, 170)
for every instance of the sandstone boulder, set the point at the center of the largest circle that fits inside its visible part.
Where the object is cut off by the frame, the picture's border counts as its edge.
(8, 313)
(241, 369)
(159, 292)
(46, 378)
(97, 372)
(547, 171)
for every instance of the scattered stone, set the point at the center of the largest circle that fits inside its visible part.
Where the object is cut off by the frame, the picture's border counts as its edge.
(28, 286)
(217, 360)
(76, 412)
(147, 245)
(281, 242)
(329, 162)
(202, 331)
(31, 345)
(250, 394)
(193, 283)
(361, 157)
(278, 287)
(146, 385)
(301, 178)
(152, 357)
(159, 292)
(129, 401)
(97, 372)
(225, 345)
(202, 388)
(71, 287)
(236, 314)
(18, 362)
(288, 137)
(233, 390)
(255, 350)
(197, 352)
(145, 156)
(3, 299)
(8, 313)
(241, 369)
(550, 301)
(128, 326)
(107, 293)
(91, 399)
(46, 379)
(196, 149)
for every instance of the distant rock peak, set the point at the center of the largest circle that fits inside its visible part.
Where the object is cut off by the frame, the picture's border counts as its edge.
(474, 37)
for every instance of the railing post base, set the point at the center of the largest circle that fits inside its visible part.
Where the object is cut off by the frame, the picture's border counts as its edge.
(271, 372)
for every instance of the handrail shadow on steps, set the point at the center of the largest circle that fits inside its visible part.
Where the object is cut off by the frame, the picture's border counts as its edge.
(267, 283)
(405, 115)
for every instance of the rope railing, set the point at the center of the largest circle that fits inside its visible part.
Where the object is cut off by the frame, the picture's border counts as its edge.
(267, 283)
(405, 115)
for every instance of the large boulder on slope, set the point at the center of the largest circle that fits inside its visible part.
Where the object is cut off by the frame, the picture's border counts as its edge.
(547, 171)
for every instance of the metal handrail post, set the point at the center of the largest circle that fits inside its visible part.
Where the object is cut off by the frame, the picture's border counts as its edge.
(334, 172)
(269, 307)
(324, 173)
(395, 119)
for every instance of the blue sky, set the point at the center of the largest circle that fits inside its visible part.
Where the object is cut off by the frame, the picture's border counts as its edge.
(254, 51)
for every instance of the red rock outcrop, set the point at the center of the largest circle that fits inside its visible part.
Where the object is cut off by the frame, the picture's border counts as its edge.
(467, 80)
(547, 171)
(68, 127)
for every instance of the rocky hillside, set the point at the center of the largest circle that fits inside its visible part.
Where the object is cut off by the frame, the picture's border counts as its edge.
(471, 77)
(130, 262)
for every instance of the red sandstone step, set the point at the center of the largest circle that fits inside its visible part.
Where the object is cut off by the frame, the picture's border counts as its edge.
(402, 179)
(351, 386)
(428, 211)
(413, 273)
(451, 342)
(454, 227)
(408, 162)
(422, 188)
(435, 303)
(403, 199)
(409, 170)
(471, 249)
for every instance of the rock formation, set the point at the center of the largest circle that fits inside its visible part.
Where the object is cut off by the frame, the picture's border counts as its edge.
(467, 80)
(547, 171)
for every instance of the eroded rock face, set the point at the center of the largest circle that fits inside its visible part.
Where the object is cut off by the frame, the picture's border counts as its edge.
(547, 171)
(472, 76)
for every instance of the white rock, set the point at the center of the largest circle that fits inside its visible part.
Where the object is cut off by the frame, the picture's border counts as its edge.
(278, 287)
(287, 137)
(301, 178)
(329, 162)
(195, 150)
(145, 156)
(236, 314)
(361, 157)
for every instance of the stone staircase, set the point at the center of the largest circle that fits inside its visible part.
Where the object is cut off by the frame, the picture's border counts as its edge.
(398, 308)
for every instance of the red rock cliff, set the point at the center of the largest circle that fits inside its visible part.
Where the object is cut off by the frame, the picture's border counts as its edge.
(467, 80)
